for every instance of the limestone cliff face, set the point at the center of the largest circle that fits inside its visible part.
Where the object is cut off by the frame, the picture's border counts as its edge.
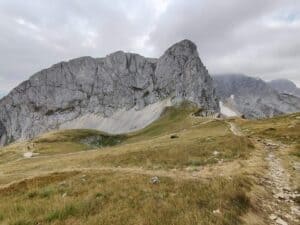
(103, 86)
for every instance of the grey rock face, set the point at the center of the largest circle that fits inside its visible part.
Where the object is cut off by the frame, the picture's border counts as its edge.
(285, 86)
(184, 65)
(253, 97)
(102, 86)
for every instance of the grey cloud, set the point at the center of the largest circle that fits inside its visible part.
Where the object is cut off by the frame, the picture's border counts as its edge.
(255, 37)
(36, 34)
(252, 37)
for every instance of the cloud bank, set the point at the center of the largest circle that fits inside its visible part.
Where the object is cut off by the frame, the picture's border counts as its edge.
(256, 37)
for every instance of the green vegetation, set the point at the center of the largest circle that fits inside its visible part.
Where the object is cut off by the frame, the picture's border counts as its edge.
(65, 141)
(173, 119)
(111, 198)
(182, 152)
(75, 140)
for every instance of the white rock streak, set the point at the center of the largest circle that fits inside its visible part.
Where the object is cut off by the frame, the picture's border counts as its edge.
(226, 111)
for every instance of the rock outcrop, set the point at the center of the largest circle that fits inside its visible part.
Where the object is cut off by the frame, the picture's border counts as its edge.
(253, 97)
(102, 87)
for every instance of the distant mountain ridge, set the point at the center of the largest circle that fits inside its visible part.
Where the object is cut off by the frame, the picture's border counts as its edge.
(107, 93)
(253, 97)
(285, 86)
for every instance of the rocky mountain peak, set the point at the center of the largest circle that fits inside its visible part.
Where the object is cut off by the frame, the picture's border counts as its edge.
(183, 48)
(119, 93)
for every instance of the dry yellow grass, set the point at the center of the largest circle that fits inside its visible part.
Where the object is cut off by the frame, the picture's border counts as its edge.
(121, 198)
(206, 176)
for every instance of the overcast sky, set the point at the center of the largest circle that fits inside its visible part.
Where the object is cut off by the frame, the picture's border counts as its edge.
(260, 38)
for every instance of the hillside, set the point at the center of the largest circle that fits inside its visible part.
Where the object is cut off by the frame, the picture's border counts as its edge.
(181, 169)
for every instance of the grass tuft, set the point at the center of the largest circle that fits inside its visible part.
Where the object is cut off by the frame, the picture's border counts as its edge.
(62, 214)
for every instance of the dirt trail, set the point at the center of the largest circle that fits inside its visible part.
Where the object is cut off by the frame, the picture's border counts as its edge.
(234, 129)
(282, 208)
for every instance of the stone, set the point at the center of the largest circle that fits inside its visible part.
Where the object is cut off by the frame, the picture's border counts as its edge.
(273, 217)
(217, 211)
(215, 153)
(173, 136)
(85, 92)
(28, 154)
(295, 210)
(154, 180)
(281, 196)
(280, 221)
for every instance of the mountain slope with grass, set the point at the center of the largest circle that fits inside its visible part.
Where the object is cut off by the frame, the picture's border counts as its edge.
(181, 169)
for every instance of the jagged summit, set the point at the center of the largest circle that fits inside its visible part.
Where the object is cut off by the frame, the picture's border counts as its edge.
(183, 48)
(119, 93)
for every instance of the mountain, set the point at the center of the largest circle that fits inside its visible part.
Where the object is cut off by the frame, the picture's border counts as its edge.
(253, 97)
(285, 86)
(119, 93)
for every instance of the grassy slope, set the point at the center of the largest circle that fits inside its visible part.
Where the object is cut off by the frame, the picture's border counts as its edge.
(65, 141)
(121, 193)
(285, 129)
(113, 198)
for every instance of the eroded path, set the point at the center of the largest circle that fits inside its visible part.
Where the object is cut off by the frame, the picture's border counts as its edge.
(281, 207)
(234, 129)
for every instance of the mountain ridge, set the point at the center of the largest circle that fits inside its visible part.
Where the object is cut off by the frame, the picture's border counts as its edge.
(253, 97)
(104, 86)
(285, 86)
